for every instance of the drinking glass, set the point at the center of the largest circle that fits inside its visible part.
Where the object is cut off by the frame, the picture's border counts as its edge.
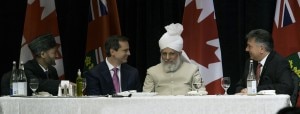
(83, 85)
(197, 83)
(33, 84)
(225, 82)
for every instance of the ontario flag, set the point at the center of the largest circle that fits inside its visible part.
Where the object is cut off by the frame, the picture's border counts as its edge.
(286, 33)
(41, 19)
(201, 42)
(286, 29)
(103, 22)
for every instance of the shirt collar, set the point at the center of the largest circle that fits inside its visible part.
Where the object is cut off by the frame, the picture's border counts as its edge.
(43, 68)
(263, 61)
(110, 66)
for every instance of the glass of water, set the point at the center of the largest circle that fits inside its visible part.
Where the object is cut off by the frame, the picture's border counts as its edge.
(34, 84)
(225, 82)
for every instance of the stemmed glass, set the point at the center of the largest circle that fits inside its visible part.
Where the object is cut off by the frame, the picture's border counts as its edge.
(83, 85)
(33, 84)
(225, 82)
(197, 83)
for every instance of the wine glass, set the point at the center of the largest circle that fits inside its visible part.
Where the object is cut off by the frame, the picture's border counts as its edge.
(83, 85)
(33, 84)
(197, 83)
(225, 82)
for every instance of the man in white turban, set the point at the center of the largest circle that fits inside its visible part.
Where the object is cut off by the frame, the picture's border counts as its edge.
(175, 73)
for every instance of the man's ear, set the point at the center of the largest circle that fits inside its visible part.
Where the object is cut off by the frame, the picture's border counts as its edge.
(112, 51)
(43, 54)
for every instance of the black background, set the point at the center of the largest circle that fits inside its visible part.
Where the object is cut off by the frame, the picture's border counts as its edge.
(143, 22)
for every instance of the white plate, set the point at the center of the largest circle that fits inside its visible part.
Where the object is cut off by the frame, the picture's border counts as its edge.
(141, 94)
(267, 92)
(195, 93)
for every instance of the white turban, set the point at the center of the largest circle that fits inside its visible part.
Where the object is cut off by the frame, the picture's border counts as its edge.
(172, 39)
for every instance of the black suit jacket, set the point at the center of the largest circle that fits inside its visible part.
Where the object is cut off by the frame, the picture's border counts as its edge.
(5, 83)
(48, 83)
(99, 80)
(276, 75)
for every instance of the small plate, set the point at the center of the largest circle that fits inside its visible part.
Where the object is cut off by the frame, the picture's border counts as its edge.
(267, 92)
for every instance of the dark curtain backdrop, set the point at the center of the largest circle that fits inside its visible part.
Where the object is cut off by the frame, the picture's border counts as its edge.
(143, 22)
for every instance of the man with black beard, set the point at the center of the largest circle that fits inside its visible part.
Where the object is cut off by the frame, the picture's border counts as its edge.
(174, 75)
(44, 49)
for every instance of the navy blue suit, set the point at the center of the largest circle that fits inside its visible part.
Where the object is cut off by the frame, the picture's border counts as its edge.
(99, 79)
(276, 75)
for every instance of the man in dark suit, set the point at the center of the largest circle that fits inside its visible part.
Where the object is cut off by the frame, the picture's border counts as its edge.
(275, 71)
(44, 49)
(113, 75)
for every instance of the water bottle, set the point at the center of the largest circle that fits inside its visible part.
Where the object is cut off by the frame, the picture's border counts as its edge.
(14, 80)
(79, 83)
(22, 81)
(251, 81)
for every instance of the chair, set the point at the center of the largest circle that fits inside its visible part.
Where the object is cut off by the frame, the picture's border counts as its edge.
(5, 84)
(294, 60)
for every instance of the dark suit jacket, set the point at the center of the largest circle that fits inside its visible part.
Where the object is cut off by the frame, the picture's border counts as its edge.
(276, 75)
(99, 80)
(5, 84)
(48, 83)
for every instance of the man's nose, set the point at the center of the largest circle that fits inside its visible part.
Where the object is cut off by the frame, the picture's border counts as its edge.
(128, 52)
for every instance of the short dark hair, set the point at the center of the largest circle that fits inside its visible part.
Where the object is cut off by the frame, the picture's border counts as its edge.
(261, 36)
(113, 43)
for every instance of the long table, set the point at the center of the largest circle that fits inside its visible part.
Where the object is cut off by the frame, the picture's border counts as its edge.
(209, 104)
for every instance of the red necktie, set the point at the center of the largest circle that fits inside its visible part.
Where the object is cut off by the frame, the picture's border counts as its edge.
(116, 80)
(258, 72)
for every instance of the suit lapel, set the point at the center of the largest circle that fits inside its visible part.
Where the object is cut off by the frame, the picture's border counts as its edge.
(124, 78)
(107, 75)
(40, 71)
(269, 59)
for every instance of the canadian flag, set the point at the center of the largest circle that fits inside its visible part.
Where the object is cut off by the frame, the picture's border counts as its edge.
(41, 19)
(286, 29)
(103, 22)
(201, 42)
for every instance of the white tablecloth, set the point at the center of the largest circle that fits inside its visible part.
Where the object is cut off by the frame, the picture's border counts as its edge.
(210, 104)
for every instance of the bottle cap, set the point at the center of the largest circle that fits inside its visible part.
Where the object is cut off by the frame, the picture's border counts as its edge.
(78, 73)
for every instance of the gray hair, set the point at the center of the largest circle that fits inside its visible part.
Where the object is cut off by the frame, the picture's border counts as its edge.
(263, 37)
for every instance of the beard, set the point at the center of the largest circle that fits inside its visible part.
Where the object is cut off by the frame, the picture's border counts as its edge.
(172, 65)
(50, 61)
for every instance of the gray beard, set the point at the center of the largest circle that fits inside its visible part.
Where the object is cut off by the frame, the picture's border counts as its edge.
(173, 66)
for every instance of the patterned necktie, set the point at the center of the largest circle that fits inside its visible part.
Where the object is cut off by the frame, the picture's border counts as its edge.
(258, 72)
(116, 80)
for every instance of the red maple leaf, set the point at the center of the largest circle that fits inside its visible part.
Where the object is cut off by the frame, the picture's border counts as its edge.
(196, 35)
(35, 26)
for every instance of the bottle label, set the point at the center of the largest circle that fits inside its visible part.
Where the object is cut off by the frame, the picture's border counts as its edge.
(251, 87)
(15, 88)
(22, 88)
